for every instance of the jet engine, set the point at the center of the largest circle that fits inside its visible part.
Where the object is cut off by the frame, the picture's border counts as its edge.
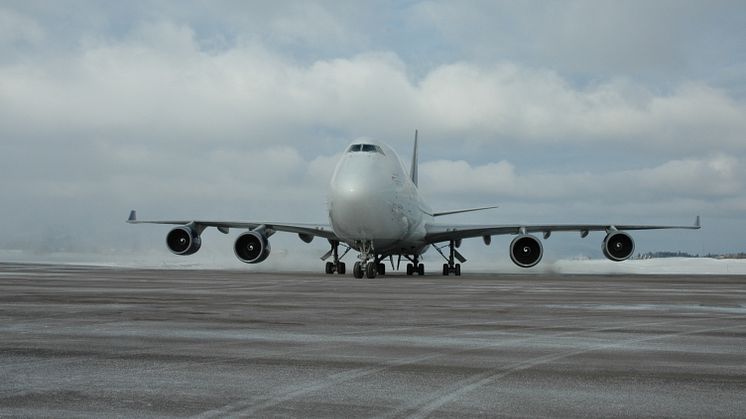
(618, 246)
(252, 247)
(526, 251)
(183, 241)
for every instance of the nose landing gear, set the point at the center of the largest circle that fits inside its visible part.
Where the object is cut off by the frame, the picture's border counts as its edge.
(368, 265)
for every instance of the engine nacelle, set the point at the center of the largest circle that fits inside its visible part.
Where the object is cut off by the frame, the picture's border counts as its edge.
(618, 246)
(252, 247)
(183, 241)
(526, 251)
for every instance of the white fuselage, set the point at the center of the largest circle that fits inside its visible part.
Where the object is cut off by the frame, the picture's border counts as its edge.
(373, 201)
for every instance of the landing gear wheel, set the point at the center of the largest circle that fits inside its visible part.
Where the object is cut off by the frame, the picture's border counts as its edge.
(458, 269)
(381, 269)
(421, 269)
(341, 268)
(410, 269)
(445, 269)
(329, 268)
(371, 269)
(357, 270)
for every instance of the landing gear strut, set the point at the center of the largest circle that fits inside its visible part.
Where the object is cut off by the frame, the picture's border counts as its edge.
(369, 265)
(451, 267)
(335, 265)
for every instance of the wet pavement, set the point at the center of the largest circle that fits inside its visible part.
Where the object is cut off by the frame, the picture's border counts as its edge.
(102, 342)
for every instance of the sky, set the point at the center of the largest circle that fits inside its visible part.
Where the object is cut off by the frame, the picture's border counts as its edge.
(559, 112)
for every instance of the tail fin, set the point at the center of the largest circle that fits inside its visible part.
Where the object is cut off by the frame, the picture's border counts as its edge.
(413, 167)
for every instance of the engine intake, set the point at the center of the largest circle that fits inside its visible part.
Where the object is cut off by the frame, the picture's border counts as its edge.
(252, 247)
(183, 241)
(618, 246)
(526, 251)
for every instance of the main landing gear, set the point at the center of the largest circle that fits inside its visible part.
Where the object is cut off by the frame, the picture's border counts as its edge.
(335, 266)
(451, 267)
(415, 267)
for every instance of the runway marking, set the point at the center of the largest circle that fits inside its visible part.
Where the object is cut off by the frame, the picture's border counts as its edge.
(442, 397)
(251, 407)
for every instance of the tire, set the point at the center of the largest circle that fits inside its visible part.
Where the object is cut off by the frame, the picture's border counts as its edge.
(357, 270)
(329, 268)
(371, 269)
(458, 269)
(445, 269)
(341, 268)
(421, 269)
(410, 269)
(381, 269)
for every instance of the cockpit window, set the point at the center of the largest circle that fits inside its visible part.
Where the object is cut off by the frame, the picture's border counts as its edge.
(368, 148)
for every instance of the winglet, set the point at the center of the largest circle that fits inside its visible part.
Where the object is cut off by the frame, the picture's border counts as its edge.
(132, 217)
(697, 223)
(413, 168)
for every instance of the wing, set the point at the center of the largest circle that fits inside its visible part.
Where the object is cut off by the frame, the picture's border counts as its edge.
(441, 232)
(305, 231)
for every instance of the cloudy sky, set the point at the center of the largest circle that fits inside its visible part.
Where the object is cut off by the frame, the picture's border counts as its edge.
(577, 111)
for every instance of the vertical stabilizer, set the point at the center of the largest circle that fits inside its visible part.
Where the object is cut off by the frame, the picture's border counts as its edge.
(413, 167)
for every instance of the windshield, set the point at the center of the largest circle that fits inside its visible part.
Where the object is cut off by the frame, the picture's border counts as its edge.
(367, 148)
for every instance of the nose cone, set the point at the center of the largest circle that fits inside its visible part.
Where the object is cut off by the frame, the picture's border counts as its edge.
(356, 208)
(362, 205)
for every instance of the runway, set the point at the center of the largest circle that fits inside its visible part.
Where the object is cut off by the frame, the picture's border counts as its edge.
(103, 342)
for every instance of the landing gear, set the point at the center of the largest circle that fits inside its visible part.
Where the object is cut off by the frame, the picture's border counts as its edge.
(336, 265)
(451, 267)
(371, 270)
(368, 270)
(456, 269)
(369, 264)
(415, 267)
(381, 269)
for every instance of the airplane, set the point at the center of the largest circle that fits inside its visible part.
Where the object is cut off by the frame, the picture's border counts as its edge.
(375, 209)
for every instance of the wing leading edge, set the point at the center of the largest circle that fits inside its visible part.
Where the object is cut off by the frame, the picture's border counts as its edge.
(306, 231)
(442, 232)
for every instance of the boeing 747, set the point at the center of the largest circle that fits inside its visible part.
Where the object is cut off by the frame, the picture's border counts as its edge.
(375, 209)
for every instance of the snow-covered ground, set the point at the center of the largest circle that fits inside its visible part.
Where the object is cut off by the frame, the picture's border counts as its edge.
(678, 266)
(281, 260)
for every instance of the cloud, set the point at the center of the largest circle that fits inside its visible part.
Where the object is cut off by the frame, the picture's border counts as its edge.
(159, 84)
(682, 186)
(239, 111)
(16, 28)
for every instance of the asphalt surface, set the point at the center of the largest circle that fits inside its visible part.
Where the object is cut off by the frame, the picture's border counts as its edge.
(101, 342)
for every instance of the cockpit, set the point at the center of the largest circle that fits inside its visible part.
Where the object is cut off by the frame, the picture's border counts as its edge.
(365, 148)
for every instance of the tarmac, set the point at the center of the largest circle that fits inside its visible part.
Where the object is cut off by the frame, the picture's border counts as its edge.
(113, 342)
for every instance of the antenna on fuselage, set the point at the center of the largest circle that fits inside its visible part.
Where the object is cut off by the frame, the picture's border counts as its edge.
(413, 167)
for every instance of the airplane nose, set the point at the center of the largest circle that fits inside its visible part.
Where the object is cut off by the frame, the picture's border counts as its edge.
(356, 208)
(353, 199)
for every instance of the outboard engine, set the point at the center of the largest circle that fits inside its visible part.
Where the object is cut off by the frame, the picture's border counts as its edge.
(252, 247)
(618, 246)
(183, 241)
(526, 251)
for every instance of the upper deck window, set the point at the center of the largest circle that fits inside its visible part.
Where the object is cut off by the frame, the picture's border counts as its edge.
(368, 148)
